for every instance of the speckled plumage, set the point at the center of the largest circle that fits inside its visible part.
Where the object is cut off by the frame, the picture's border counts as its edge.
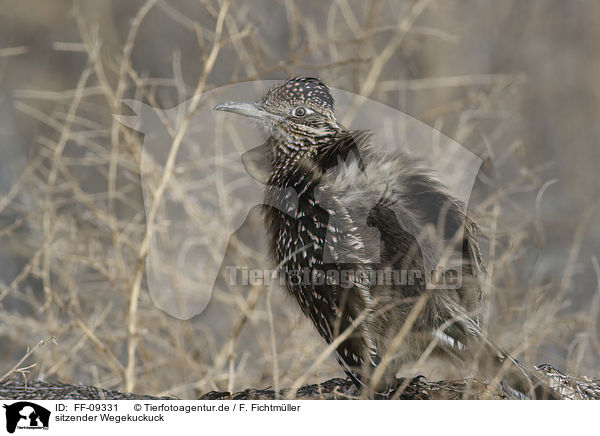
(334, 203)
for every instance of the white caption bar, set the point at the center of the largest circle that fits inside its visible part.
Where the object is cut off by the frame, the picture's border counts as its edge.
(295, 417)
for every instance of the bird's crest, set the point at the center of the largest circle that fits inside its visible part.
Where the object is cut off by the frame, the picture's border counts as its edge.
(301, 90)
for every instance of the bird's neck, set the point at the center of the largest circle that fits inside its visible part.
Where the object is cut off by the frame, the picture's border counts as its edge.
(288, 155)
(292, 162)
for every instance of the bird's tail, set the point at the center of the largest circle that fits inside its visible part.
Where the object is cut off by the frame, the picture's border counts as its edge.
(468, 343)
(512, 377)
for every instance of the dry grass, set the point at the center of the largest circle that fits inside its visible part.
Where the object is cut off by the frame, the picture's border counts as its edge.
(74, 220)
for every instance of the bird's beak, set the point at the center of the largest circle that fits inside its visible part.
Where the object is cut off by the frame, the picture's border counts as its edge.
(252, 110)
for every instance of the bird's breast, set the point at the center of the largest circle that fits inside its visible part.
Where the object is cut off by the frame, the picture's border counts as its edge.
(297, 225)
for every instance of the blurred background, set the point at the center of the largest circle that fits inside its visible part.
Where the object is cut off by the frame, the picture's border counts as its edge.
(514, 82)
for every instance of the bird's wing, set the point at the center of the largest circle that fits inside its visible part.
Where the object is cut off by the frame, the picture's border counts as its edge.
(405, 205)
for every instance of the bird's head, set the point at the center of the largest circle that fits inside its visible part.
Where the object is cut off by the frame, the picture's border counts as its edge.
(297, 114)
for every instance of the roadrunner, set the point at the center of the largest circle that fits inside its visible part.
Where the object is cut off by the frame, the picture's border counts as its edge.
(359, 236)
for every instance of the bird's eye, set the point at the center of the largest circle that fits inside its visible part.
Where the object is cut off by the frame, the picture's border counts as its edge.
(300, 111)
